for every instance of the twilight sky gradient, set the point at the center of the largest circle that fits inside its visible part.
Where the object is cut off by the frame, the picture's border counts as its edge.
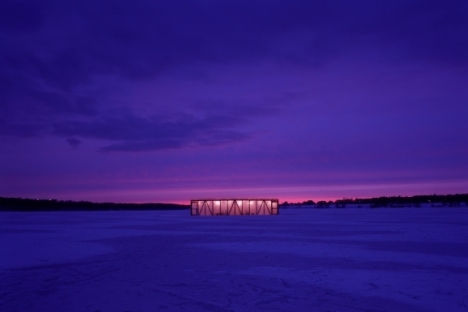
(142, 101)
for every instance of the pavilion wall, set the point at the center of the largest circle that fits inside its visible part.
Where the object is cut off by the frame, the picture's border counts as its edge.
(234, 207)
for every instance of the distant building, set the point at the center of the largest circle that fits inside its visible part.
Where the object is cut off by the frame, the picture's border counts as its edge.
(234, 207)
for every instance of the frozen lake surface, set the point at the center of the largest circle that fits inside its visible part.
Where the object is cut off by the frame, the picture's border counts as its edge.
(410, 259)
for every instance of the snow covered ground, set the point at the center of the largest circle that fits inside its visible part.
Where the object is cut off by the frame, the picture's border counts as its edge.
(407, 259)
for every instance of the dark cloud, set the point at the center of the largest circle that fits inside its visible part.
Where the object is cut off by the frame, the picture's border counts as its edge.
(22, 129)
(208, 138)
(20, 16)
(74, 142)
(141, 39)
(134, 133)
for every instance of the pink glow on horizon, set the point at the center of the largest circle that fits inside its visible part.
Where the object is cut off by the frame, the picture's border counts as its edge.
(289, 194)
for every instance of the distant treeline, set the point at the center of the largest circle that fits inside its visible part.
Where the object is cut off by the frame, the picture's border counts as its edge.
(455, 200)
(22, 204)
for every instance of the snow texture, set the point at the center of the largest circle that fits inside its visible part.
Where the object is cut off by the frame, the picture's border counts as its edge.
(400, 259)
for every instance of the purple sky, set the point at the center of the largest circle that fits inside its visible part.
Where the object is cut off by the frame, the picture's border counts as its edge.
(164, 101)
